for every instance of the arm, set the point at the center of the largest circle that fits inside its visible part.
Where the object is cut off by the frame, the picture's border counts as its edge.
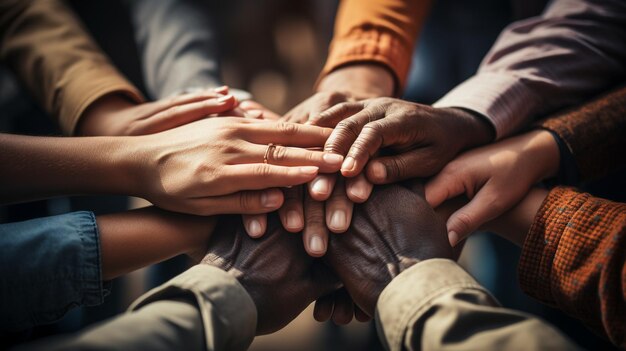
(175, 36)
(48, 48)
(189, 169)
(571, 52)
(54, 264)
(436, 305)
(593, 136)
(379, 33)
(204, 308)
(588, 140)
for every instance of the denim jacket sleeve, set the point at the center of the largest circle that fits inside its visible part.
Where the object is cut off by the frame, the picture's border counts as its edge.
(47, 267)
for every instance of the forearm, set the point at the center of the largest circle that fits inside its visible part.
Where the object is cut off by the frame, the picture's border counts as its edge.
(547, 63)
(39, 167)
(57, 60)
(134, 239)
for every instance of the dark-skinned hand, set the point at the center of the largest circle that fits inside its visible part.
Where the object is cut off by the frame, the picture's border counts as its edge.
(421, 139)
(279, 276)
(391, 232)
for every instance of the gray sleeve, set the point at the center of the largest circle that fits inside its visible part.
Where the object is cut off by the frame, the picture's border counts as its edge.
(177, 42)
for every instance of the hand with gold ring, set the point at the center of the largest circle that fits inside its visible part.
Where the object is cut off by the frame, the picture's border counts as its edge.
(227, 165)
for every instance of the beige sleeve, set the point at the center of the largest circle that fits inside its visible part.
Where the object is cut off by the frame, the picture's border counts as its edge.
(436, 305)
(203, 308)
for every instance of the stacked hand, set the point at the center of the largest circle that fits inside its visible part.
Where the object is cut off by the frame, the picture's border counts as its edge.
(394, 230)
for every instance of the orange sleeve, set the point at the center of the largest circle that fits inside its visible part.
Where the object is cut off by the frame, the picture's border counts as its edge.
(377, 31)
(574, 258)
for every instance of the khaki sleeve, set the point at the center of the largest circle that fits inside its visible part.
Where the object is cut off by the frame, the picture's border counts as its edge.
(574, 258)
(436, 305)
(377, 31)
(45, 44)
(203, 308)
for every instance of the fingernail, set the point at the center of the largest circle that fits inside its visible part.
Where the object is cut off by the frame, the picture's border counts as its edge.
(338, 220)
(309, 170)
(453, 238)
(320, 186)
(293, 220)
(348, 164)
(256, 114)
(224, 98)
(223, 87)
(254, 228)
(316, 244)
(379, 171)
(333, 159)
(270, 199)
(359, 190)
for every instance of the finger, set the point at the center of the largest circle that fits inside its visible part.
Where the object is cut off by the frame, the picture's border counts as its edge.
(407, 165)
(245, 202)
(444, 186)
(321, 187)
(323, 309)
(223, 90)
(178, 115)
(291, 156)
(255, 176)
(250, 106)
(485, 206)
(292, 213)
(183, 99)
(315, 233)
(358, 188)
(255, 224)
(360, 315)
(336, 114)
(289, 134)
(339, 209)
(343, 310)
(366, 145)
(347, 131)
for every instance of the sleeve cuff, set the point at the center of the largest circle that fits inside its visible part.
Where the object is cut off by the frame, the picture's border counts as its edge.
(224, 305)
(542, 241)
(371, 46)
(503, 99)
(412, 292)
(94, 83)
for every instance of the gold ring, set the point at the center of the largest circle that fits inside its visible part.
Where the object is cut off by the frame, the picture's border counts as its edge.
(268, 152)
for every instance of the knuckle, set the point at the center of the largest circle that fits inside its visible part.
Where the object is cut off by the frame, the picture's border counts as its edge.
(261, 170)
(465, 221)
(287, 128)
(247, 201)
(349, 127)
(280, 154)
(396, 168)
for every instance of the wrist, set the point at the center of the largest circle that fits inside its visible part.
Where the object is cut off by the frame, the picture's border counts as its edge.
(359, 81)
(98, 118)
(470, 129)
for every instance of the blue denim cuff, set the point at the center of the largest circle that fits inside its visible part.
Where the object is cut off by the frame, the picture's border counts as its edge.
(47, 267)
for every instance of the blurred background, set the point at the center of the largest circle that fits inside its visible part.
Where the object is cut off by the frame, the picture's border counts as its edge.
(275, 49)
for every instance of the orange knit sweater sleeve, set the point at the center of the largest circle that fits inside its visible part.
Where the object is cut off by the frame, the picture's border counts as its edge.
(377, 31)
(574, 258)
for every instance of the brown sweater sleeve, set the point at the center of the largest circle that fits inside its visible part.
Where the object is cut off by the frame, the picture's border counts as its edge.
(595, 134)
(574, 258)
(56, 59)
(377, 31)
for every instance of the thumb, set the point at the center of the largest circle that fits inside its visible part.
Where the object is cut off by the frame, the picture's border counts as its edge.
(484, 207)
(442, 187)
